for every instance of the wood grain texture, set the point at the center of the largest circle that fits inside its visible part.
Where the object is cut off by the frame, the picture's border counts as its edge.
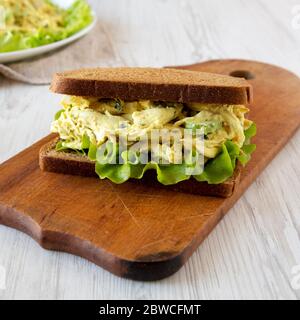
(133, 230)
(251, 252)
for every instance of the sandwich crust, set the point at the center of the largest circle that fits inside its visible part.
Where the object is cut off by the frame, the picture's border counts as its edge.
(131, 84)
(68, 163)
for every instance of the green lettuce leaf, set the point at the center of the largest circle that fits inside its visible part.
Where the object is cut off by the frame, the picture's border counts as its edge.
(119, 173)
(247, 149)
(245, 153)
(58, 113)
(250, 132)
(78, 17)
(215, 171)
(60, 146)
(220, 168)
(85, 143)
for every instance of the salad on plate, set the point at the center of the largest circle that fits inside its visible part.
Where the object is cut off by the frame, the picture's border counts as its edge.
(26, 24)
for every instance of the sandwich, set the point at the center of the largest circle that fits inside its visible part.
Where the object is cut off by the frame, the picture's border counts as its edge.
(182, 130)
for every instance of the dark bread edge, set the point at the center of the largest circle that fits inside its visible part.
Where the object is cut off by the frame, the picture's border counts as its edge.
(149, 91)
(56, 161)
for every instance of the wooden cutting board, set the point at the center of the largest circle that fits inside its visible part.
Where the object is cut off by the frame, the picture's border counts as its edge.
(137, 231)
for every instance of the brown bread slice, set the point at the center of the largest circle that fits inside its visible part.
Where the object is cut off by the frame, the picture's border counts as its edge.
(153, 84)
(74, 164)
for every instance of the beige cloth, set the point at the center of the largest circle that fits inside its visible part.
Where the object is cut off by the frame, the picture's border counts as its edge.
(95, 49)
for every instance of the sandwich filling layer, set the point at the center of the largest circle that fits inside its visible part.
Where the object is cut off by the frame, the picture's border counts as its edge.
(85, 125)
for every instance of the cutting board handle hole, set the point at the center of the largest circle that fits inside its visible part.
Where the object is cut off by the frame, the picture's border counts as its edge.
(242, 74)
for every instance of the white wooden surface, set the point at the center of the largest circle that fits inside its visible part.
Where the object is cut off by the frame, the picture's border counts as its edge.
(251, 252)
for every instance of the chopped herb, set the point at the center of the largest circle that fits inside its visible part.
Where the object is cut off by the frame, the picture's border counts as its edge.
(115, 103)
(118, 105)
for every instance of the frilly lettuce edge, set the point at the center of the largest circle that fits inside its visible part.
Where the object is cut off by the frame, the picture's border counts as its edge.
(215, 171)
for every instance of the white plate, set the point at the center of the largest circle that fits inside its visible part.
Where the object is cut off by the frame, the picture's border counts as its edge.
(29, 53)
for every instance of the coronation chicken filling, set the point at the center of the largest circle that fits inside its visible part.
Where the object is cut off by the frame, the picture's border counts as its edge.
(100, 119)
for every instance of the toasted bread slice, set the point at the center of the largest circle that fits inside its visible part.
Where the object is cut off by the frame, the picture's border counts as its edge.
(163, 84)
(74, 164)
